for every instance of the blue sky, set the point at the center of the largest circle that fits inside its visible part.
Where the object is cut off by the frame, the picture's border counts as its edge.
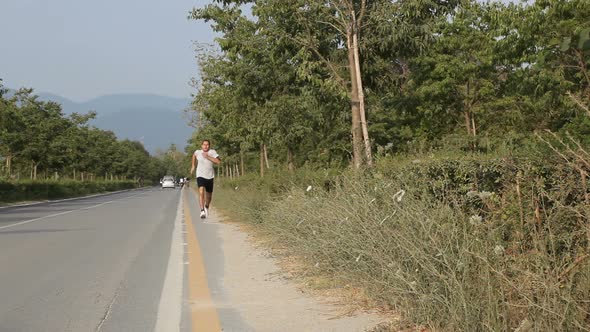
(82, 49)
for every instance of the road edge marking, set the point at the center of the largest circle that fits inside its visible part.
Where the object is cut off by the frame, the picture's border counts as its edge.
(62, 213)
(17, 205)
(204, 315)
(170, 306)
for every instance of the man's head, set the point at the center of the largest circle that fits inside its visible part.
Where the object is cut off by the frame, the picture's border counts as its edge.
(205, 145)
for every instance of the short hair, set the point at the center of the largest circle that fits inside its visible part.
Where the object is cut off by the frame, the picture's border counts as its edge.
(206, 140)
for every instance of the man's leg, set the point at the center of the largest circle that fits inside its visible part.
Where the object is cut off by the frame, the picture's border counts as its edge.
(201, 186)
(209, 193)
(202, 197)
(208, 199)
(202, 202)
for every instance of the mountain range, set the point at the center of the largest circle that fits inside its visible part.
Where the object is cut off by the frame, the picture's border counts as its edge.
(156, 121)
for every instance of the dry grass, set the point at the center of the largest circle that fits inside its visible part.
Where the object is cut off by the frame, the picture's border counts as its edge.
(307, 278)
(444, 259)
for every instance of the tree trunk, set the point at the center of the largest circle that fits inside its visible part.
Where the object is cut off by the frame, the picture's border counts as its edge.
(237, 170)
(265, 156)
(261, 160)
(9, 165)
(468, 122)
(361, 98)
(290, 165)
(35, 166)
(357, 134)
(242, 162)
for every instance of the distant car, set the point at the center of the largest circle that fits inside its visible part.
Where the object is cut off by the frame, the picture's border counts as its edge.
(168, 182)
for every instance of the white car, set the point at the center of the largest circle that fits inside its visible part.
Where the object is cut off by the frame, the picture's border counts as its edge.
(168, 182)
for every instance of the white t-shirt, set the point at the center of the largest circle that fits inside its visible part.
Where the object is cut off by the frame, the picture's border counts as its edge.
(205, 166)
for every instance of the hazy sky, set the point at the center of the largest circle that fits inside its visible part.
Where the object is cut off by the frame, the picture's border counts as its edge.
(82, 49)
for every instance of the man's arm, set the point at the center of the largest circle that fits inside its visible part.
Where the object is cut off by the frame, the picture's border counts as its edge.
(193, 164)
(215, 160)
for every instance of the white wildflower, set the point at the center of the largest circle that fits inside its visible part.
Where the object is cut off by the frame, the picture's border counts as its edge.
(499, 250)
(358, 258)
(485, 195)
(399, 195)
(236, 188)
(475, 220)
(308, 188)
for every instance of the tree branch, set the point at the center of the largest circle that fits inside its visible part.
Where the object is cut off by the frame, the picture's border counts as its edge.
(330, 65)
(333, 26)
(578, 102)
(362, 13)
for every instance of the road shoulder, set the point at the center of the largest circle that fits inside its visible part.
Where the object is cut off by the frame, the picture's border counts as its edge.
(267, 299)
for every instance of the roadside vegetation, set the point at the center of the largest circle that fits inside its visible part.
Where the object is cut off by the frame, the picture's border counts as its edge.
(47, 154)
(466, 243)
(433, 153)
(40, 190)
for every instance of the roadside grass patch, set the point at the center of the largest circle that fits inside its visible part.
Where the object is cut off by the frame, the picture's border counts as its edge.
(451, 244)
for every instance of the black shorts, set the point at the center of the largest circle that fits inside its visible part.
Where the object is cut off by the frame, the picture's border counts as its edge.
(207, 183)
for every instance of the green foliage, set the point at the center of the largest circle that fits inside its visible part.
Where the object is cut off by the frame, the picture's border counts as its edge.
(43, 190)
(38, 141)
(431, 70)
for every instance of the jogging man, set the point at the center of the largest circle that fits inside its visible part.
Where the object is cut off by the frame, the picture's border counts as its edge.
(205, 158)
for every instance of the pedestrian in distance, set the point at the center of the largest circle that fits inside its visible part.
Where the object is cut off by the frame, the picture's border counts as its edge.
(204, 160)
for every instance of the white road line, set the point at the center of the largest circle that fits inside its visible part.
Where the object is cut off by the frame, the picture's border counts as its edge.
(59, 214)
(36, 219)
(68, 199)
(170, 307)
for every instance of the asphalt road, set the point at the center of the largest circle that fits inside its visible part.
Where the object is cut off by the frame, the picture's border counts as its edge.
(92, 264)
(143, 260)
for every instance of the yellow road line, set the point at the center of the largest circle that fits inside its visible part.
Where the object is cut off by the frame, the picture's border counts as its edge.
(203, 312)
